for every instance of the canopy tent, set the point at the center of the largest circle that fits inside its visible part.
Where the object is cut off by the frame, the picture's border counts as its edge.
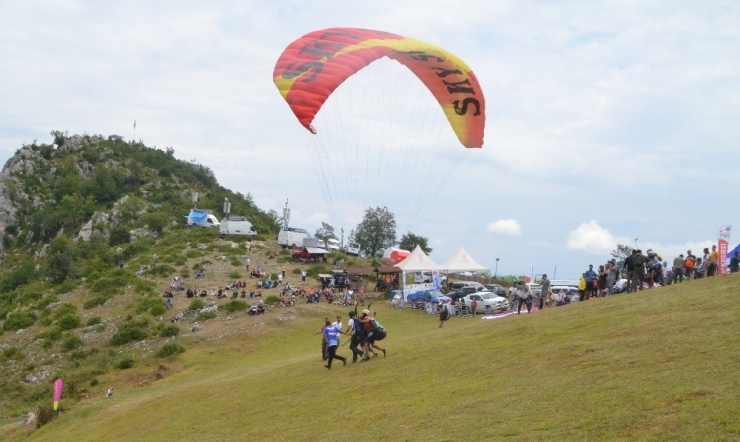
(461, 262)
(417, 261)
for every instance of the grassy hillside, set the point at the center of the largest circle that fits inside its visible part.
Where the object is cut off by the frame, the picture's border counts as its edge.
(657, 365)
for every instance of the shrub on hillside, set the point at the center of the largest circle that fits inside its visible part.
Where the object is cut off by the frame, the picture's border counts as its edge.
(315, 269)
(272, 300)
(144, 286)
(71, 343)
(94, 302)
(296, 271)
(18, 320)
(51, 334)
(197, 304)
(95, 320)
(44, 415)
(30, 297)
(155, 306)
(67, 286)
(68, 321)
(170, 349)
(235, 275)
(169, 331)
(161, 270)
(124, 363)
(127, 334)
(235, 305)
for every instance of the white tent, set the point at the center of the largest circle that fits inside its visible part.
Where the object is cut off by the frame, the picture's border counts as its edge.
(460, 262)
(417, 261)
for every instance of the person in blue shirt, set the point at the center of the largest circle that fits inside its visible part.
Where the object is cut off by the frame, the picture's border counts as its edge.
(331, 336)
(591, 289)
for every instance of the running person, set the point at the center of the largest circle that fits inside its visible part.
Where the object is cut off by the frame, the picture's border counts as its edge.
(354, 327)
(444, 313)
(374, 332)
(331, 336)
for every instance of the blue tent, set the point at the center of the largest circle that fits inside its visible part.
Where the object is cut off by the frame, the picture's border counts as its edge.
(731, 253)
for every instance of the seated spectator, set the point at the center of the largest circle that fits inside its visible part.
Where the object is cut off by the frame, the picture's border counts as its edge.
(196, 327)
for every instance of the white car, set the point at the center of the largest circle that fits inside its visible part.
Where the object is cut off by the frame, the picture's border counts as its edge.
(487, 302)
(426, 277)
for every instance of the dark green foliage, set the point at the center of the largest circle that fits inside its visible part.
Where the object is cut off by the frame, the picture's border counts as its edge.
(235, 305)
(377, 231)
(30, 297)
(11, 353)
(170, 349)
(155, 306)
(61, 258)
(71, 343)
(128, 334)
(95, 320)
(94, 382)
(272, 300)
(68, 322)
(235, 275)
(197, 304)
(44, 415)
(409, 241)
(119, 235)
(18, 320)
(156, 221)
(67, 286)
(112, 284)
(22, 273)
(161, 270)
(296, 271)
(124, 363)
(51, 334)
(169, 331)
(94, 302)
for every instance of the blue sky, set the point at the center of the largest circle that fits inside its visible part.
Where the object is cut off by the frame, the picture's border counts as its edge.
(606, 121)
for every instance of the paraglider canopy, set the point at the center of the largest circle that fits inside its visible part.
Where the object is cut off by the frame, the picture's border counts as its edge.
(313, 66)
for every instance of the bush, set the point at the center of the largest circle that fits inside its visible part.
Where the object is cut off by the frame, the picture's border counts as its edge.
(194, 254)
(155, 306)
(161, 270)
(95, 320)
(30, 297)
(124, 363)
(18, 320)
(94, 382)
(169, 331)
(44, 415)
(71, 343)
(128, 334)
(235, 305)
(197, 304)
(144, 286)
(235, 275)
(206, 316)
(92, 303)
(69, 321)
(296, 271)
(315, 269)
(272, 300)
(170, 349)
(52, 334)
(67, 286)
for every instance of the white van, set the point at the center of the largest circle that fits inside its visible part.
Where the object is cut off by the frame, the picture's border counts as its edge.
(236, 225)
(291, 237)
(332, 244)
(353, 249)
(201, 218)
(460, 284)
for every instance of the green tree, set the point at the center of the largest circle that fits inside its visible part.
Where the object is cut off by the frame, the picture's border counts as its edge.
(377, 231)
(409, 241)
(620, 254)
(61, 258)
(325, 232)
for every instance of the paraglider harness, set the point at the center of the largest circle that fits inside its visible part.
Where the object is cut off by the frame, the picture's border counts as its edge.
(444, 313)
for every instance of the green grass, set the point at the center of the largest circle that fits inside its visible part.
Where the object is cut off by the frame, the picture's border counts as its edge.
(657, 365)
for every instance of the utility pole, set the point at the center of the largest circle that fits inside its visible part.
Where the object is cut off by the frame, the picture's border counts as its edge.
(286, 215)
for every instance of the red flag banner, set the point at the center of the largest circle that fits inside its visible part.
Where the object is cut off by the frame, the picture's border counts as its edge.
(723, 245)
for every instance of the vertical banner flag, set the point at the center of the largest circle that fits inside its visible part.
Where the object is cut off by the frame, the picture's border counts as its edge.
(58, 384)
(723, 244)
(436, 280)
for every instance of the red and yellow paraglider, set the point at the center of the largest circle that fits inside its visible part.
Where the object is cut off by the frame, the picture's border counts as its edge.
(313, 66)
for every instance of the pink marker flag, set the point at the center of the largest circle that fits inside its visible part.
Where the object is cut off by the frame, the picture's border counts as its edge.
(58, 384)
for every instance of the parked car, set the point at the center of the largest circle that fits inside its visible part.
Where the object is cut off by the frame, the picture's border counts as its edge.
(487, 302)
(424, 296)
(495, 288)
(462, 292)
(426, 277)
(460, 284)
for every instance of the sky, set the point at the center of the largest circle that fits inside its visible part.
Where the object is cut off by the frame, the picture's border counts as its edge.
(607, 122)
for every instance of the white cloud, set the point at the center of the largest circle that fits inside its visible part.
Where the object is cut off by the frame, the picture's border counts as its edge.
(593, 239)
(508, 227)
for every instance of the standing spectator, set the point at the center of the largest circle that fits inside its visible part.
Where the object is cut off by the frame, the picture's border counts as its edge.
(524, 297)
(473, 305)
(582, 288)
(629, 268)
(303, 276)
(590, 277)
(690, 265)
(639, 278)
(324, 351)
(331, 338)
(546, 288)
(611, 276)
(169, 303)
(602, 281)
(248, 262)
(706, 259)
(735, 263)
(283, 270)
(678, 264)
(713, 259)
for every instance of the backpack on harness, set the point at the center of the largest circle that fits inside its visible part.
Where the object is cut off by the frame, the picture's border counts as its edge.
(445, 315)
